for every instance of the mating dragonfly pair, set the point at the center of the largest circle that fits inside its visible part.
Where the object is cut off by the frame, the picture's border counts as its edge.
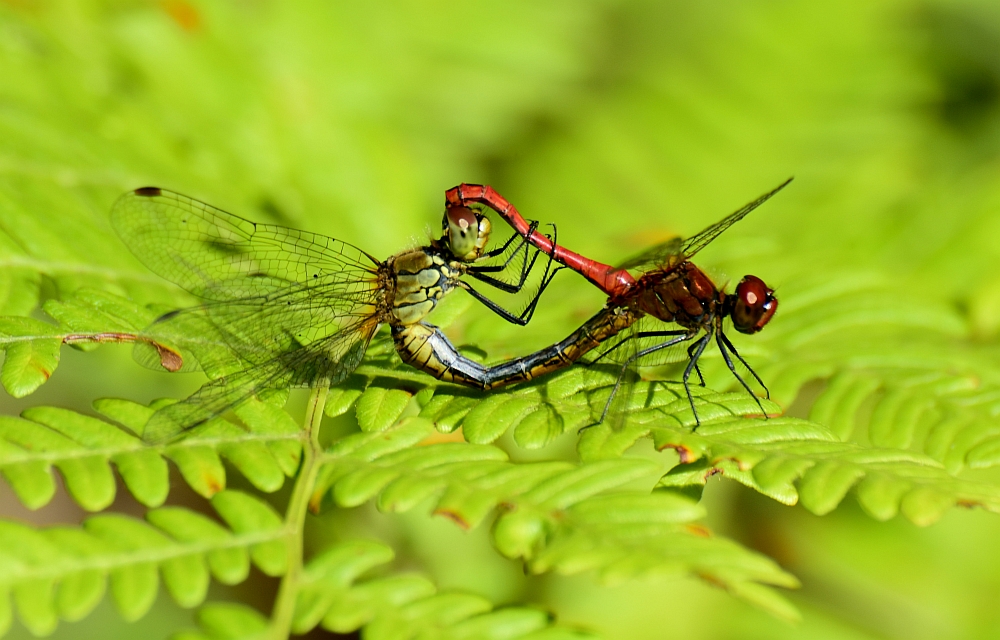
(287, 308)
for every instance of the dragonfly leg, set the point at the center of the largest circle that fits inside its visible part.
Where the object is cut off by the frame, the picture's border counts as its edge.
(479, 272)
(692, 363)
(637, 335)
(729, 362)
(526, 314)
(686, 335)
(736, 353)
(607, 278)
(697, 369)
(522, 318)
(522, 236)
(523, 244)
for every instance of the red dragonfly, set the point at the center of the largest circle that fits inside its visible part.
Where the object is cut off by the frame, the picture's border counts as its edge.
(669, 288)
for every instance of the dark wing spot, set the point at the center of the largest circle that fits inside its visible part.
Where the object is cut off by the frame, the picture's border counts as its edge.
(167, 316)
(224, 247)
(149, 192)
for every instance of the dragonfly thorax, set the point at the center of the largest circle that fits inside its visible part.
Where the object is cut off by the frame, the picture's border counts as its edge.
(684, 295)
(421, 277)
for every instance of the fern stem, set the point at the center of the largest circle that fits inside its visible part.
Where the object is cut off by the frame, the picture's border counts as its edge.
(284, 604)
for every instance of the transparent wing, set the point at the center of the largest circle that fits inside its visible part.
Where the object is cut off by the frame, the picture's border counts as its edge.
(623, 358)
(324, 362)
(219, 256)
(698, 242)
(659, 255)
(677, 250)
(225, 336)
(618, 407)
(274, 289)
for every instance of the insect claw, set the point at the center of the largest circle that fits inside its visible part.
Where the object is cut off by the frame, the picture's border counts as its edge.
(585, 427)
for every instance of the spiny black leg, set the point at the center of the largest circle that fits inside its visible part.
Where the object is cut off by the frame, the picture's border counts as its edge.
(547, 277)
(697, 369)
(749, 368)
(629, 362)
(692, 363)
(526, 268)
(523, 244)
(496, 283)
(720, 339)
(529, 311)
(614, 392)
(495, 308)
(479, 272)
(524, 240)
(526, 314)
(522, 318)
(638, 335)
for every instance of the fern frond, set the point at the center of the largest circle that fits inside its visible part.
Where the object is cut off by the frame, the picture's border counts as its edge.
(790, 459)
(786, 459)
(898, 373)
(62, 572)
(84, 319)
(335, 595)
(405, 605)
(82, 448)
(556, 516)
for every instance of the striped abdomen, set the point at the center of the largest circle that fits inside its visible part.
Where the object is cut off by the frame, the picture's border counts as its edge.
(426, 348)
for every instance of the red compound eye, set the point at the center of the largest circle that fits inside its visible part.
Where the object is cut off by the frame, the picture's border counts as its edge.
(755, 304)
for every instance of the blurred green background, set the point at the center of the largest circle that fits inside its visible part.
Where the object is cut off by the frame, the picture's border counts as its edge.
(624, 122)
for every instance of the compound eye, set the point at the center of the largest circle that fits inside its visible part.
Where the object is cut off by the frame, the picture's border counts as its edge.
(755, 304)
(461, 225)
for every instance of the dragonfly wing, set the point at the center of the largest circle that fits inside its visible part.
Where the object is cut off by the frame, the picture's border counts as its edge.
(224, 337)
(696, 243)
(677, 250)
(655, 257)
(272, 287)
(618, 412)
(644, 346)
(324, 362)
(218, 256)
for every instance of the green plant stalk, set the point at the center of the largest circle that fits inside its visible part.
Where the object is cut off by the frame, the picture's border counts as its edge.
(284, 604)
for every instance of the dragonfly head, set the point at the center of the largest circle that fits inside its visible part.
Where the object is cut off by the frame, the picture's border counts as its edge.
(752, 305)
(466, 231)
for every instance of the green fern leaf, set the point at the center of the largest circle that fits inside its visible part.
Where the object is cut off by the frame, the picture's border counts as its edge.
(61, 572)
(32, 354)
(379, 407)
(84, 319)
(554, 515)
(246, 514)
(403, 606)
(82, 448)
(773, 457)
(227, 621)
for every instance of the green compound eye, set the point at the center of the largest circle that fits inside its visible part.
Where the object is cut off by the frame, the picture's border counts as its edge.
(463, 231)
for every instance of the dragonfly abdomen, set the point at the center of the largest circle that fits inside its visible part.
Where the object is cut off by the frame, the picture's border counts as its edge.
(425, 347)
